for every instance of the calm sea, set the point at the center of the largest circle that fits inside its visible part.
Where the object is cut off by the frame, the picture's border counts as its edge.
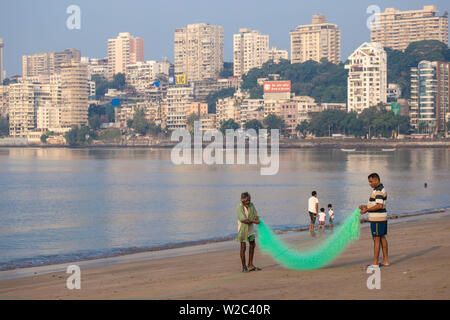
(59, 205)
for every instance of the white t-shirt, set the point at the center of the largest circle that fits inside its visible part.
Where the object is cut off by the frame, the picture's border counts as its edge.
(312, 204)
(331, 213)
(322, 216)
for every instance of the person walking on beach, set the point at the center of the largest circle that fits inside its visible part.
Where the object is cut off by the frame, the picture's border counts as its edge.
(247, 218)
(313, 210)
(376, 207)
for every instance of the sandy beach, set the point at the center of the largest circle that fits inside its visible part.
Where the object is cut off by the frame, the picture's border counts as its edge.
(419, 255)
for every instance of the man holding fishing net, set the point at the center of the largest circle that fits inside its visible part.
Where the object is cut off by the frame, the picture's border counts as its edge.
(376, 207)
(247, 217)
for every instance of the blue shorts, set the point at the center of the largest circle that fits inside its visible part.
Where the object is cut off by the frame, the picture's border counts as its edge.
(378, 229)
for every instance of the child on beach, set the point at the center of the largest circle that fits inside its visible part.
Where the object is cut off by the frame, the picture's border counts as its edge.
(322, 217)
(331, 215)
(247, 217)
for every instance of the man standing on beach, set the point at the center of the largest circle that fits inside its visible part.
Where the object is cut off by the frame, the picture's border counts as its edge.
(313, 210)
(378, 219)
(247, 217)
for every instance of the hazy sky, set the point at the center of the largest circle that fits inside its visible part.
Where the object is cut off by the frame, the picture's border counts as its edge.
(31, 26)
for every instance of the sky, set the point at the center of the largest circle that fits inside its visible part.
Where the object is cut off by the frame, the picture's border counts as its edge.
(32, 26)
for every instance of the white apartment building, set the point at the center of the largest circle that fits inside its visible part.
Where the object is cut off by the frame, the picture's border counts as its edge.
(251, 109)
(250, 50)
(367, 77)
(228, 108)
(315, 41)
(397, 29)
(124, 50)
(198, 51)
(277, 54)
(30, 105)
(141, 75)
(177, 100)
(430, 96)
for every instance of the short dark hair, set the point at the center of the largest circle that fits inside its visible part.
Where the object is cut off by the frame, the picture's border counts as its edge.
(374, 175)
(245, 196)
(322, 209)
(329, 205)
(313, 193)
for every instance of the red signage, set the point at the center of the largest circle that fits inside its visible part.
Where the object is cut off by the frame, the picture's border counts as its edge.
(277, 86)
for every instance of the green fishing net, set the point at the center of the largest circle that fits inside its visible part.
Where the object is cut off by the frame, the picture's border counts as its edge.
(314, 258)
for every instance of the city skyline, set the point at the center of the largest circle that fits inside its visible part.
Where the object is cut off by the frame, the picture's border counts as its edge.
(49, 19)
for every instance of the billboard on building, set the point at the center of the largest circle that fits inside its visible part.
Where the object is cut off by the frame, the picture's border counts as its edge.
(277, 86)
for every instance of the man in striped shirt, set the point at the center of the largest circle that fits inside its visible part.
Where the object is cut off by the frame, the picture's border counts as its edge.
(376, 207)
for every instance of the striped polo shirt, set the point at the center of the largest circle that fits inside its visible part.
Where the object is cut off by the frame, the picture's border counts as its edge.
(378, 195)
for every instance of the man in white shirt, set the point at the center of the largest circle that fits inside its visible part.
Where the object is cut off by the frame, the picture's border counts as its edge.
(313, 209)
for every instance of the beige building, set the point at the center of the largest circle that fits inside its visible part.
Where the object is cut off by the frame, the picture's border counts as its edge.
(177, 101)
(47, 63)
(198, 51)
(124, 50)
(228, 108)
(208, 121)
(250, 50)
(315, 41)
(277, 54)
(26, 101)
(397, 29)
(74, 94)
(367, 77)
(198, 108)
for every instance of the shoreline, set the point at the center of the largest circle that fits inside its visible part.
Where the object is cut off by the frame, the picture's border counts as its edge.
(177, 248)
(417, 255)
(325, 143)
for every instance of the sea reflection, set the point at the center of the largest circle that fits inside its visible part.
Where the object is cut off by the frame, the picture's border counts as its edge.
(60, 201)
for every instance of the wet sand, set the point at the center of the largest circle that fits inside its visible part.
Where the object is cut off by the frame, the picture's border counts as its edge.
(419, 254)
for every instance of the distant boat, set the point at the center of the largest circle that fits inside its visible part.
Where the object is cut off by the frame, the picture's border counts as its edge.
(392, 149)
(348, 150)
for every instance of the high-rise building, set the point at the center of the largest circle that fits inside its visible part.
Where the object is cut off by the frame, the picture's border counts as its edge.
(2, 71)
(47, 63)
(250, 50)
(315, 41)
(397, 29)
(177, 100)
(198, 51)
(430, 96)
(124, 50)
(367, 77)
(74, 94)
(277, 54)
